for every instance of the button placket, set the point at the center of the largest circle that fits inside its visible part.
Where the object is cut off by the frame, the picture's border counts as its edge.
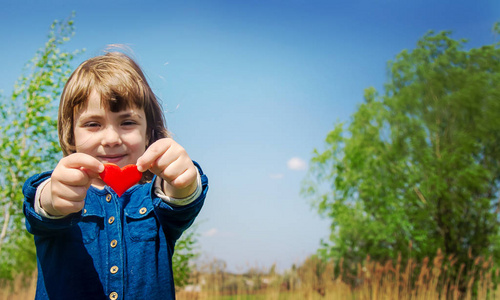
(113, 295)
(115, 258)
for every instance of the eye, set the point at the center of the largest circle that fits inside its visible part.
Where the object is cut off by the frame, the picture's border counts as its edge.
(129, 123)
(91, 125)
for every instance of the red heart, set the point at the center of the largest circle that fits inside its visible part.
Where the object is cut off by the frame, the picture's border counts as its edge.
(122, 179)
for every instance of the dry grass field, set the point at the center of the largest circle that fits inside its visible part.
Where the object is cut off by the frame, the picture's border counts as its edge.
(316, 279)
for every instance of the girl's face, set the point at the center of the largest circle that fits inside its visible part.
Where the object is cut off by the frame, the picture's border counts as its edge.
(111, 137)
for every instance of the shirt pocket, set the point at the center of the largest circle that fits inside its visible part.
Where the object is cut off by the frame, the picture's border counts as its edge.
(86, 230)
(90, 227)
(141, 223)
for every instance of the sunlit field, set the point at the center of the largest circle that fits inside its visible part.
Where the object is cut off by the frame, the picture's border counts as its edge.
(316, 279)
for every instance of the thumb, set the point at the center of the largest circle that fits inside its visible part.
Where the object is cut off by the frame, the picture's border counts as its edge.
(91, 173)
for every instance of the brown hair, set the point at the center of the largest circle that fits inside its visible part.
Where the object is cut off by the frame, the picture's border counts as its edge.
(121, 84)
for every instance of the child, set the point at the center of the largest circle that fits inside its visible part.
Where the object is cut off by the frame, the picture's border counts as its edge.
(92, 244)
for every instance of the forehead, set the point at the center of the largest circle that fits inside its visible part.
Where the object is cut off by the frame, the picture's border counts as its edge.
(95, 106)
(93, 102)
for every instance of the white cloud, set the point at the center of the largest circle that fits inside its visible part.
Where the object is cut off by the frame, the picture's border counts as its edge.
(276, 176)
(211, 232)
(296, 164)
(214, 232)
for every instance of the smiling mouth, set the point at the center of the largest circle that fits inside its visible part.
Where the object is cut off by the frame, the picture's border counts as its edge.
(111, 158)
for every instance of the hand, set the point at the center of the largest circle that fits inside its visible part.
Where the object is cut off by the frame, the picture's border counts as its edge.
(170, 161)
(70, 180)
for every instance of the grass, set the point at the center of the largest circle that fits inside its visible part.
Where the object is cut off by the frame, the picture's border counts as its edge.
(316, 279)
(20, 288)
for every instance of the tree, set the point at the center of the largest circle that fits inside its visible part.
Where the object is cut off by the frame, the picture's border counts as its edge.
(184, 254)
(419, 163)
(29, 142)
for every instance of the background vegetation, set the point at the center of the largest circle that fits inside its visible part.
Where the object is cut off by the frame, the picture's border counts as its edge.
(410, 184)
(29, 142)
(418, 164)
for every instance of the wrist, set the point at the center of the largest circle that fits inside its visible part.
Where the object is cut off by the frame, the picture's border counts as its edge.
(173, 192)
(159, 192)
(45, 201)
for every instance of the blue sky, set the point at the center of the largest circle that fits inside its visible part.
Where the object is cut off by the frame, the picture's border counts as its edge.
(250, 88)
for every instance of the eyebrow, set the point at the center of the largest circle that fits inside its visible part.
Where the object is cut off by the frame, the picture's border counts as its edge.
(129, 114)
(125, 114)
(85, 116)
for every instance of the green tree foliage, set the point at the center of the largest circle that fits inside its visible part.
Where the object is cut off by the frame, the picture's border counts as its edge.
(419, 164)
(29, 142)
(184, 255)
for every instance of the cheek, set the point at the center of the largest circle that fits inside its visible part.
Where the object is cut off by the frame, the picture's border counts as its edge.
(137, 141)
(84, 140)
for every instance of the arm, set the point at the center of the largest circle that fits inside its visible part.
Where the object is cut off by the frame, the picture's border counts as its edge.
(176, 218)
(36, 223)
(169, 161)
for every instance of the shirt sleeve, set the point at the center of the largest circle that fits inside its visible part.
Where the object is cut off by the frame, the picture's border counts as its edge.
(174, 218)
(158, 189)
(38, 224)
(38, 205)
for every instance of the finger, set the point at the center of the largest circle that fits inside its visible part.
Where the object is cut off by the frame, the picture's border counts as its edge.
(73, 177)
(91, 174)
(177, 167)
(81, 160)
(164, 161)
(185, 179)
(70, 193)
(66, 207)
(153, 152)
(174, 169)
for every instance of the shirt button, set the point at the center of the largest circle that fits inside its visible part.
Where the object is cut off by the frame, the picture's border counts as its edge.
(111, 220)
(143, 210)
(113, 269)
(108, 198)
(84, 210)
(113, 243)
(113, 296)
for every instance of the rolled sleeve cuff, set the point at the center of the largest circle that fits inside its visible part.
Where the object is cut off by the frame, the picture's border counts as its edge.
(178, 201)
(38, 207)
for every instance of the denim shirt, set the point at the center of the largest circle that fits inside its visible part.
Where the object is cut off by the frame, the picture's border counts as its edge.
(115, 248)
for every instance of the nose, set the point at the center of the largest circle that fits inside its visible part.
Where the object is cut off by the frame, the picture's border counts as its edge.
(111, 137)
